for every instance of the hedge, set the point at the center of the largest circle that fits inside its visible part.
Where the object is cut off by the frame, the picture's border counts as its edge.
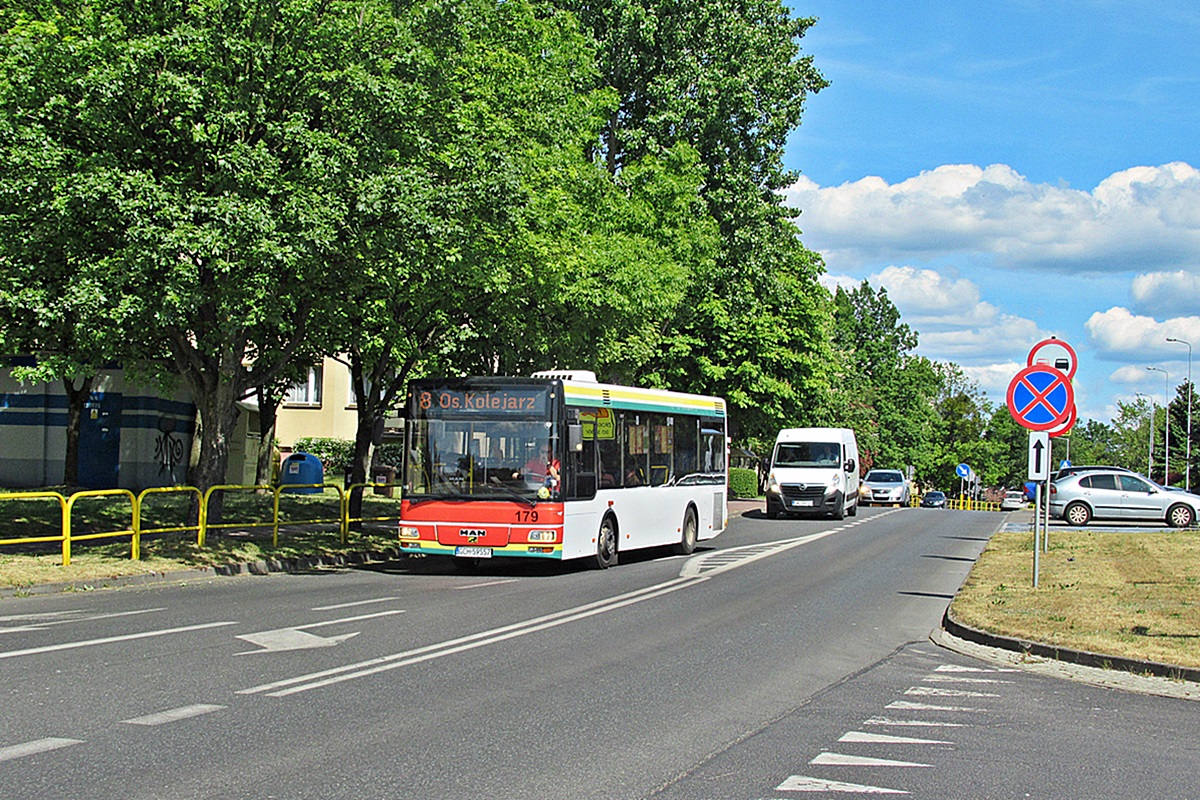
(743, 482)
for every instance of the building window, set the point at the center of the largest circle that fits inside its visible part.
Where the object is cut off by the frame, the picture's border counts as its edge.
(307, 392)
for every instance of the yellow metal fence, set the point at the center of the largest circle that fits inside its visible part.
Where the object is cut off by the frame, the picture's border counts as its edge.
(960, 503)
(137, 504)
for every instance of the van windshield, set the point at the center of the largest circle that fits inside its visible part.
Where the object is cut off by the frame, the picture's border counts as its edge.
(807, 454)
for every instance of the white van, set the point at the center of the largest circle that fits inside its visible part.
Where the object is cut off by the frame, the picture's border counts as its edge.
(813, 471)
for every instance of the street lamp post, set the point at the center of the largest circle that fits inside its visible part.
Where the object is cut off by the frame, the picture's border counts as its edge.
(1167, 425)
(1187, 468)
(1149, 437)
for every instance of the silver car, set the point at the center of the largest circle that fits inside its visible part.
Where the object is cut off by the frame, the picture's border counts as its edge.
(884, 486)
(1109, 494)
(1014, 500)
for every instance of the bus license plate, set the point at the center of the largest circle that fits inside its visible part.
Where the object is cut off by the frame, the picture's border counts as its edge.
(802, 502)
(473, 552)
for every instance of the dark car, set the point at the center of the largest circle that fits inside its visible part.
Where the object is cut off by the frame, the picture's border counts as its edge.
(934, 500)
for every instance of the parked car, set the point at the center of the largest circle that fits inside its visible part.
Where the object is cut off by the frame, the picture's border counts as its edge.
(1014, 500)
(934, 499)
(1073, 469)
(1114, 494)
(884, 487)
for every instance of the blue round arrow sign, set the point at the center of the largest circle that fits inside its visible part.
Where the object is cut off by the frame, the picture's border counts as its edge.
(963, 471)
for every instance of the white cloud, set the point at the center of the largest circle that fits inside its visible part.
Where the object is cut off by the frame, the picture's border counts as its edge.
(1167, 293)
(1139, 219)
(954, 323)
(1120, 334)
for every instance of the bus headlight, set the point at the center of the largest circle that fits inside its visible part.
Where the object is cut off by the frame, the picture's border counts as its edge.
(409, 533)
(542, 536)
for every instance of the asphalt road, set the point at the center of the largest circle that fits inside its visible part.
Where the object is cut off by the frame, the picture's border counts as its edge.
(733, 673)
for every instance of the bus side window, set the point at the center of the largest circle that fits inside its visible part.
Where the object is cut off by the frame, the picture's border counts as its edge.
(610, 463)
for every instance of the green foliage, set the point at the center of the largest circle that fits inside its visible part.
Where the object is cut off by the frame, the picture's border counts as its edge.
(335, 454)
(743, 482)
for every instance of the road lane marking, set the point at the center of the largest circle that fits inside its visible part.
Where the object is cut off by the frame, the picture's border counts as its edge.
(879, 738)
(843, 760)
(35, 747)
(908, 705)
(959, 679)
(724, 560)
(954, 668)
(484, 584)
(802, 783)
(359, 618)
(55, 618)
(174, 715)
(372, 666)
(934, 691)
(913, 723)
(356, 603)
(110, 639)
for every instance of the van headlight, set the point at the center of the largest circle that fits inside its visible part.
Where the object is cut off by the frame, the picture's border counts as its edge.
(772, 484)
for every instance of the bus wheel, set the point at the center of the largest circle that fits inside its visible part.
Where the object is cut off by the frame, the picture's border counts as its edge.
(687, 545)
(606, 544)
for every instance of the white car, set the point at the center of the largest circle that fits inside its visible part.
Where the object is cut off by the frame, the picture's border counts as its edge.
(1013, 501)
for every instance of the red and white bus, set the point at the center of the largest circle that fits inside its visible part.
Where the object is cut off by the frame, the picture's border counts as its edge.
(559, 466)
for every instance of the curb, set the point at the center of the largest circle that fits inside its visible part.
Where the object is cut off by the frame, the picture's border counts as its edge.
(1065, 654)
(260, 567)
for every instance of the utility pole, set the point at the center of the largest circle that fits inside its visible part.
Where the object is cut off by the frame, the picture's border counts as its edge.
(1167, 423)
(1187, 469)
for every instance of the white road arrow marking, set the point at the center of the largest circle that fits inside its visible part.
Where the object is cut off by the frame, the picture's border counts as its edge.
(290, 639)
(801, 783)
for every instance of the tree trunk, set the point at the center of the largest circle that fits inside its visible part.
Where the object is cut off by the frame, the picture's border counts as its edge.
(76, 400)
(218, 411)
(268, 409)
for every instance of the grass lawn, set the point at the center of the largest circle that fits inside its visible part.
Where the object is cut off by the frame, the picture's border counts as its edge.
(1132, 595)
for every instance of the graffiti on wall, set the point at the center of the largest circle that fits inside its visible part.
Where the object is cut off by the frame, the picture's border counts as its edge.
(168, 448)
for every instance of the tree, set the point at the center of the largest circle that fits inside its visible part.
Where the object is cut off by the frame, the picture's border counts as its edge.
(57, 230)
(727, 79)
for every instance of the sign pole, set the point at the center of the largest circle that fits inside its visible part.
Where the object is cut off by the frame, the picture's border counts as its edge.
(1037, 524)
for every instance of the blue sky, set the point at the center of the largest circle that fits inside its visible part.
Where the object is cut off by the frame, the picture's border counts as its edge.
(1009, 172)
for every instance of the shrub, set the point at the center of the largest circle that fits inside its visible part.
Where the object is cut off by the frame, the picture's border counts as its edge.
(743, 482)
(335, 454)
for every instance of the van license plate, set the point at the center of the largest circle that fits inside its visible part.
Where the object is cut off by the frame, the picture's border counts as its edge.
(802, 502)
(473, 552)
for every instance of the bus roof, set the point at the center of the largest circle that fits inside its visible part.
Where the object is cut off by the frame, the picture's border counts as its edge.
(606, 395)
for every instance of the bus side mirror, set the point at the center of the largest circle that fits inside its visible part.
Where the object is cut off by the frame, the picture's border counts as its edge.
(574, 438)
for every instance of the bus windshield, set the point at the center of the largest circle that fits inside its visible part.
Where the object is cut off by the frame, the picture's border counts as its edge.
(481, 458)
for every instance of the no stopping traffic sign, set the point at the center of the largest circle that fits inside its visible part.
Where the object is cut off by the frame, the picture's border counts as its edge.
(1040, 398)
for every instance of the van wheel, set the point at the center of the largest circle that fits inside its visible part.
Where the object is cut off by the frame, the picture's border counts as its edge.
(691, 529)
(606, 544)
(852, 511)
(840, 511)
